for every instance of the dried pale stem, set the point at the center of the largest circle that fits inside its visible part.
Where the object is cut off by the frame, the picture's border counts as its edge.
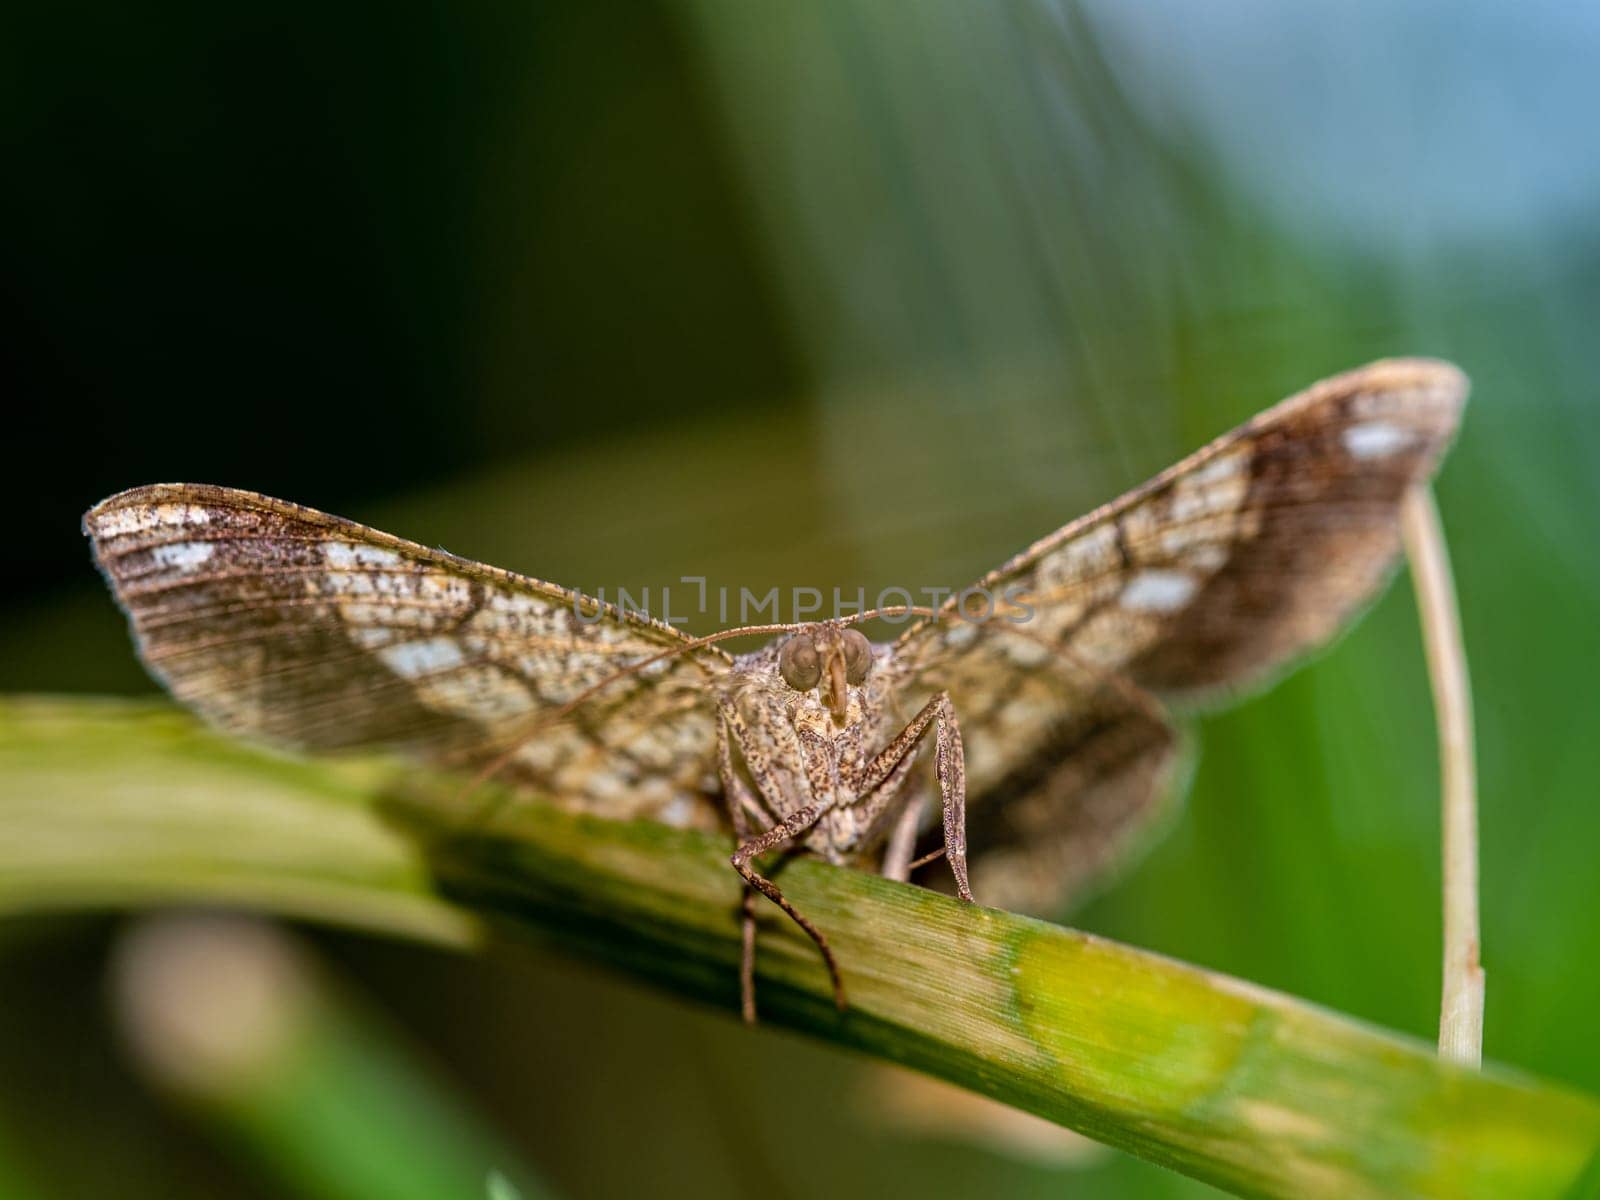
(1461, 1001)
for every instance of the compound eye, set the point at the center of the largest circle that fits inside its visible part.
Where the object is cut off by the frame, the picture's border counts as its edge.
(857, 656)
(800, 664)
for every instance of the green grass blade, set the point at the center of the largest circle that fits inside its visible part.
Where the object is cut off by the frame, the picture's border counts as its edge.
(1250, 1089)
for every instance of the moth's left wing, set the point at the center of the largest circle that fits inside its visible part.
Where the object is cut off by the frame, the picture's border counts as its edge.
(1225, 568)
(286, 624)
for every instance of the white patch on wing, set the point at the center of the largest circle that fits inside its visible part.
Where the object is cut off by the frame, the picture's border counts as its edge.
(1023, 714)
(354, 554)
(607, 785)
(1206, 506)
(1224, 466)
(1208, 557)
(518, 603)
(399, 616)
(515, 614)
(1376, 439)
(678, 813)
(482, 693)
(560, 676)
(183, 556)
(124, 520)
(120, 521)
(343, 583)
(439, 588)
(140, 518)
(411, 659)
(1084, 558)
(1112, 637)
(1051, 619)
(1218, 488)
(961, 635)
(544, 754)
(1158, 591)
(1023, 650)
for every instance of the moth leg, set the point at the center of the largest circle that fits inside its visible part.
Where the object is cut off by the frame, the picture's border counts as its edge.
(791, 827)
(743, 805)
(876, 794)
(740, 804)
(950, 768)
(902, 842)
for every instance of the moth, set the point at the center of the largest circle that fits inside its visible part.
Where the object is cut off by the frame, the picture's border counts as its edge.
(1036, 733)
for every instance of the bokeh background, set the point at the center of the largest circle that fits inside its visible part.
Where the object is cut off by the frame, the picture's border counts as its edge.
(842, 292)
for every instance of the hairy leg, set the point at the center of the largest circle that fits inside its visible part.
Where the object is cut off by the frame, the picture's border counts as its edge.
(950, 770)
(787, 830)
(742, 804)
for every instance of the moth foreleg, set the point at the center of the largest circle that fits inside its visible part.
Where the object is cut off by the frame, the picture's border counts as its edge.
(741, 805)
(950, 769)
(786, 830)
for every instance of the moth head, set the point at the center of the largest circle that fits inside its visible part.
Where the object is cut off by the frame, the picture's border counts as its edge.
(829, 657)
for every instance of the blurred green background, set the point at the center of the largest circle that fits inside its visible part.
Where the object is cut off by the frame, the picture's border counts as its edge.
(836, 293)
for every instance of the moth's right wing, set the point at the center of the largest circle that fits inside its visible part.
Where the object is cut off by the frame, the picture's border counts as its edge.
(1207, 580)
(286, 624)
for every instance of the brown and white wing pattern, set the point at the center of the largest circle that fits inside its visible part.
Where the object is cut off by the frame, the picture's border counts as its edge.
(1225, 568)
(283, 623)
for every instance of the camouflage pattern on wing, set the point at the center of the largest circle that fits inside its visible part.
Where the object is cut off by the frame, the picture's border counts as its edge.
(286, 624)
(1248, 554)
